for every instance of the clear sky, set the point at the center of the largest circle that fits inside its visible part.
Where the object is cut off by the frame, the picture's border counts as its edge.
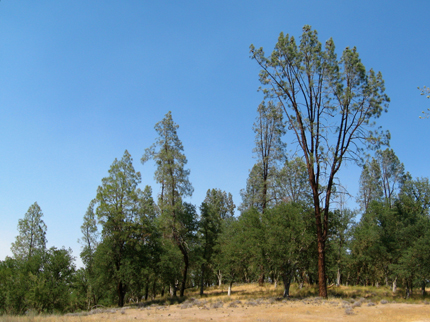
(82, 81)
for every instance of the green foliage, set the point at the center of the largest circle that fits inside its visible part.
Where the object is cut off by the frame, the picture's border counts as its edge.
(288, 239)
(32, 231)
(177, 219)
(170, 161)
(123, 211)
(341, 227)
(252, 194)
(216, 207)
(90, 235)
(51, 287)
(43, 283)
(232, 255)
(293, 183)
(391, 243)
(330, 105)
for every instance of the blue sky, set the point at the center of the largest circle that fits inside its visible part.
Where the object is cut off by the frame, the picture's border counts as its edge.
(81, 81)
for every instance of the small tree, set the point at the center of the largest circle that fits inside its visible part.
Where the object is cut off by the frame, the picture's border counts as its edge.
(217, 206)
(370, 184)
(269, 148)
(121, 213)
(32, 234)
(329, 107)
(292, 182)
(89, 241)
(288, 237)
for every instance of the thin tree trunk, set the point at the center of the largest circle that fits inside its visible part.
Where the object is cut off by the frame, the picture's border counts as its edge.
(173, 289)
(338, 277)
(395, 285)
(229, 288)
(261, 279)
(146, 290)
(286, 276)
(219, 275)
(184, 274)
(423, 288)
(322, 283)
(202, 279)
(154, 289)
(407, 291)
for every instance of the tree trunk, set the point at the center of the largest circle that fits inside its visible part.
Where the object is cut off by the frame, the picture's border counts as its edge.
(219, 275)
(276, 283)
(261, 279)
(121, 294)
(407, 291)
(322, 227)
(322, 283)
(184, 274)
(146, 291)
(173, 289)
(154, 289)
(338, 277)
(423, 288)
(286, 287)
(202, 279)
(229, 288)
(395, 285)
(286, 277)
(162, 290)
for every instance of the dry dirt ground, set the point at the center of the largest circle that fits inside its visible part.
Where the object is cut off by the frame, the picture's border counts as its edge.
(324, 311)
(303, 310)
(253, 303)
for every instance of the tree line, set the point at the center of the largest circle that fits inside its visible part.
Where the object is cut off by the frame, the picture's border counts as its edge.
(293, 225)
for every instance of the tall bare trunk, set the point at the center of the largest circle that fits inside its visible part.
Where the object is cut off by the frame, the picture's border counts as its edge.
(229, 288)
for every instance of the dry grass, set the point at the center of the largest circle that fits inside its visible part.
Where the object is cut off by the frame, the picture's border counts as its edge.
(261, 303)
